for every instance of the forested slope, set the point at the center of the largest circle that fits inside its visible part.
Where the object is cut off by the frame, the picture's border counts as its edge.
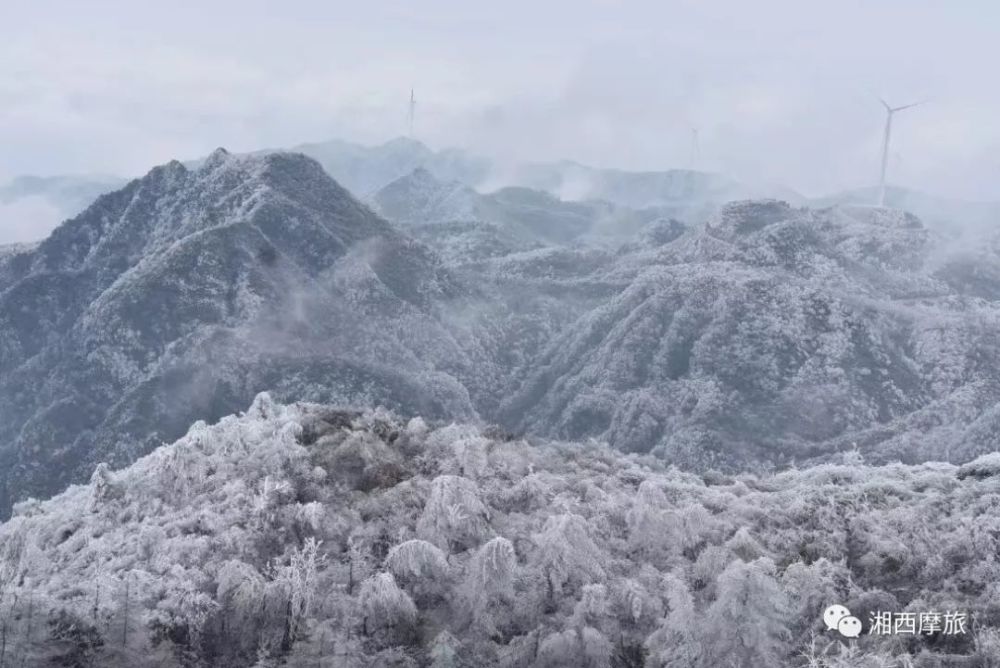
(304, 535)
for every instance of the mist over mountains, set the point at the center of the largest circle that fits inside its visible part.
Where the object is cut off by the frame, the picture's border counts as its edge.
(773, 332)
(365, 170)
(70, 194)
(171, 299)
(757, 335)
(645, 422)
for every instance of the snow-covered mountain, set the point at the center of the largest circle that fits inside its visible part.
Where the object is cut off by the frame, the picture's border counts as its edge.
(685, 194)
(769, 334)
(421, 197)
(688, 193)
(182, 295)
(947, 214)
(533, 216)
(774, 334)
(479, 399)
(307, 535)
(765, 335)
(366, 169)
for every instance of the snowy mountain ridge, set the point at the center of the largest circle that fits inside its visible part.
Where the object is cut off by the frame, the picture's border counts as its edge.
(764, 335)
(187, 290)
(365, 170)
(774, 334)
(534, 217)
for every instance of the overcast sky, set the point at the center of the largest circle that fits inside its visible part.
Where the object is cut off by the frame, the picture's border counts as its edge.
(780, 90)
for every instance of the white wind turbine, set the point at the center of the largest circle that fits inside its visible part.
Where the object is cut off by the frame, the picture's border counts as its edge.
(890, 111)
(413, 111)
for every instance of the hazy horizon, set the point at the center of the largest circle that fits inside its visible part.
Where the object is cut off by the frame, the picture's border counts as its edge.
(358, 406)
(778, 93)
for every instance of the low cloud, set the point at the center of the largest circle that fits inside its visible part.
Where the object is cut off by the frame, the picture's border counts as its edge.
(779, 90)
(27, 219)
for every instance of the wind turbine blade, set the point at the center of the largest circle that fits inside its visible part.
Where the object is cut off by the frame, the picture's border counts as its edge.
(910, 106)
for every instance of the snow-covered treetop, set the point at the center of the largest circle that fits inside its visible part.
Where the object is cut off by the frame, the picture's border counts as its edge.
(290, 519)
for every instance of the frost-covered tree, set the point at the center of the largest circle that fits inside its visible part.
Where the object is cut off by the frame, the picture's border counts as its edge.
(213, 555)
(636, 600)
(241, 592)
(70, 641)
(454, 517)
(488, 589)
(675, 642)
(747, 624)
(709, 566)
(420, 567)
(471, 454)
(444, 651)
(103, 484)
(297, 581)
(362, 460)
(745, 546)
(417, 560)
(987, 647)
(810, 588)
(582, 647)
(592, 608)
(566, 554)
(386, 607)
(526, 495)
(654, 530)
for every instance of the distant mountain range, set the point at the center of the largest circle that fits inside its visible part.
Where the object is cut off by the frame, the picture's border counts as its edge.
(533, 216)
(749, 334)
(70, 194)
(688, 195)
(939, 212)
(366, 171)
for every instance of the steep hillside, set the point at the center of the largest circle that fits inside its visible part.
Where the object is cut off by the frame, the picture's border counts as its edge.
(307, 535)
(766, 335)
(182, 295)
(420, 197)
(776, 334)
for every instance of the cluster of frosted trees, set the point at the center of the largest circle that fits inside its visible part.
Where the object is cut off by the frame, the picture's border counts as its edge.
(304, 536)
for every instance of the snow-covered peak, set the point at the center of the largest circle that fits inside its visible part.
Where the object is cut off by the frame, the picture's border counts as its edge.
(189, 288)
(405, 146)
(216, 158)
(421, 197)
(773, 232)
(172, 202)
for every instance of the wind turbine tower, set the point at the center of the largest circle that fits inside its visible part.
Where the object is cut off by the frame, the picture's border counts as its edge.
(413, 111)
(890, 111)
